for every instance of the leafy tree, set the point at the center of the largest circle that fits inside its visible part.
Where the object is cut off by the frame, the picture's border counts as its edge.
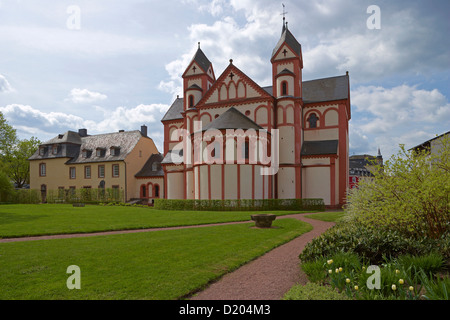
(8, 136)
(17, 163)
(6, 187)
(14, 154)
(410, 194)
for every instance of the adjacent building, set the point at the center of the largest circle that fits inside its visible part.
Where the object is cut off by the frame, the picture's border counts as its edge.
(361, 166)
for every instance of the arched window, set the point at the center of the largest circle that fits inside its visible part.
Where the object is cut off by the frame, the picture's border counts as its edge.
(156, 191)
(143, 191)
(284, 88)
(313, 120)
(191, 101)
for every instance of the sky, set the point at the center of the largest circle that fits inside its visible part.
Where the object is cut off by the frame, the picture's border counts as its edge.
(108, 65)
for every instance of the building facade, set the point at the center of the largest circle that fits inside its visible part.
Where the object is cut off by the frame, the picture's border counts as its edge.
(76, 160)
(215, 135)
(362, 166)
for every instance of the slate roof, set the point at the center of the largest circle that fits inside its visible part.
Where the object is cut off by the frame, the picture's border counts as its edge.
(174, 111)
(147, 169)
(326, 89)
(290, 40)
(232, 119)
(67, 137)
(126, 141)
(312, 148)
(201, 59)
(173, 156)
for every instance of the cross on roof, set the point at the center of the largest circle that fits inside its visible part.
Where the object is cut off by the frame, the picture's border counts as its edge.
(194, 68)
(231, 76)
(285, 51)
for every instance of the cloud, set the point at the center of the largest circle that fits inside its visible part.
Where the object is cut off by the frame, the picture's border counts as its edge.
(386, 117)
(85, 96)
(5, 87)
(30, 121)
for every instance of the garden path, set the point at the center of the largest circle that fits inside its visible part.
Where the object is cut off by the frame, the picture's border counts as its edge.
(270, 276)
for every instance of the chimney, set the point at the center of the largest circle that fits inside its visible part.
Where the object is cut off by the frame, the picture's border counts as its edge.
(144, 130)
(82, 132)
(121, 130)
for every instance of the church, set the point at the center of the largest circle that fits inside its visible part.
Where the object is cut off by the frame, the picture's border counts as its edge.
(230, 138)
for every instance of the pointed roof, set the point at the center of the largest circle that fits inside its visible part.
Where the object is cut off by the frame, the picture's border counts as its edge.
(288, 38)
(232, 119)
(201, 60)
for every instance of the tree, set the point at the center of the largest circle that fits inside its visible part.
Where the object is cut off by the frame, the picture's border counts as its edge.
(410, 193)
(17, 163)
(14, 154)
(8, 136)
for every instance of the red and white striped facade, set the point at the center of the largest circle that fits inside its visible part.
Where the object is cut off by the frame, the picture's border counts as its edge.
(310, 119)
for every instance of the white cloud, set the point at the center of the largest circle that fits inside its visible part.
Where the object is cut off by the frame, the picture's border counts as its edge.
(5, 87)
(33, 122)
(85, 96)
(386, 117)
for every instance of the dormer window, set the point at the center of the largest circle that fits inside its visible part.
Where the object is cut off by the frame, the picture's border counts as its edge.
(42, 151)
(114, 151)
(154, 166)
(55, 149)
(86, 153)
(100, 152)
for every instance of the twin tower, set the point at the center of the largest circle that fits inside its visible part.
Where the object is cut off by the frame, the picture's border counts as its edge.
(306, 120)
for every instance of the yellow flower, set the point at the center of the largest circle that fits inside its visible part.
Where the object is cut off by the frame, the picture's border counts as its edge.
(330, 271)
(401, 281)
(340, 269)
(337, 270)
(397, 271)
(347, 280)
(394, 287)
(330, 261)
(411, 288)
(356, 287)
(364, 268)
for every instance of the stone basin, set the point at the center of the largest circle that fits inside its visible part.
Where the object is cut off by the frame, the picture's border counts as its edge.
(263, 220)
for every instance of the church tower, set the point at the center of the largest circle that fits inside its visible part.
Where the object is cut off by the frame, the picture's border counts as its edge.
(287, 65)
(197, 79)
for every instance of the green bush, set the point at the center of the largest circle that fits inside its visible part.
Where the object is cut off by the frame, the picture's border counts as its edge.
(241, 204)
(371, 244)
(408, 194)
(313, 291)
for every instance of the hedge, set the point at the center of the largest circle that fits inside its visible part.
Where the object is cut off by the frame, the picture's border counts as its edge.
(240, 204)
(32, 196)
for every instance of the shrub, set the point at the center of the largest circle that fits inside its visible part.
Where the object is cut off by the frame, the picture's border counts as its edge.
(241, 204)
(409, 194)
(370, 244)
(313, 291)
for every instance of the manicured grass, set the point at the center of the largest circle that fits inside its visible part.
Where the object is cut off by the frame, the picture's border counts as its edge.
(46, 219)
(161, 265)
(327, 216)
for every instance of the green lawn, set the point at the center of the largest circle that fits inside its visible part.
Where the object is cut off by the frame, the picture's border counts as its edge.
(159, 265)
(46, 219)
(327, 216)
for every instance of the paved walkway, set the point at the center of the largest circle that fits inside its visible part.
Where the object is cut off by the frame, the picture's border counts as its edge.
(270, 276)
